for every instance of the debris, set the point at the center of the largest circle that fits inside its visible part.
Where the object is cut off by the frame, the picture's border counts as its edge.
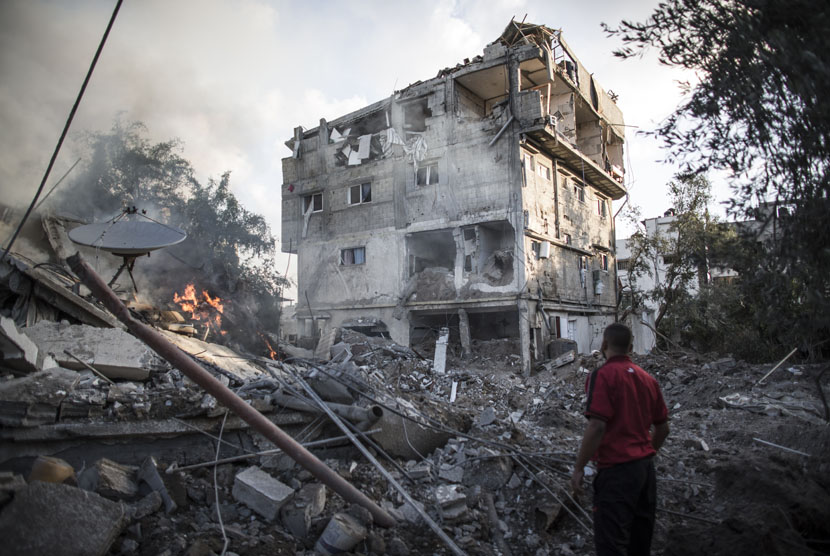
(35, 399)
(261, 492)
(9, 484)
(307, 504)
(18, 351)
(55, 519)
(109, 479)
(149, 474)
(800, 453)
(341, 534)
(111, 351)
(404, 438)
(763, 378)
(148, 505)
(440, 362)
(487, 417)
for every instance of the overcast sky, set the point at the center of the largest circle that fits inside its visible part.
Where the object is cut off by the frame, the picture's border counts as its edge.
(231, 79)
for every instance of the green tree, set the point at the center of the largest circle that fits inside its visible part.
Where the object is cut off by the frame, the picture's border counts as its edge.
(757, 112)
(229, 250)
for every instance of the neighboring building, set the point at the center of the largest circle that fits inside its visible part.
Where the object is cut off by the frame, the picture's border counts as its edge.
(479, 199)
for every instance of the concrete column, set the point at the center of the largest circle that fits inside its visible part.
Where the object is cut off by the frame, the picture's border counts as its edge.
(464, 329)
(524, 336)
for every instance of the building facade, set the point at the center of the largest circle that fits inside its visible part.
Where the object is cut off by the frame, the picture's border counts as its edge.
(478, 200)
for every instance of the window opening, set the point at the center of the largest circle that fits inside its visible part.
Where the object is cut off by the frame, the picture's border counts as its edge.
(359, 194)
(579, 192)
(427, 175)
(352, 256)
(314, 201)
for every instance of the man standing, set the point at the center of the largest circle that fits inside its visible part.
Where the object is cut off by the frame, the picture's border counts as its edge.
(623, 403)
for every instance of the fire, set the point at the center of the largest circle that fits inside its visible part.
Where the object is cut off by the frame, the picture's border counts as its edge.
(272, 353)
(207, 308)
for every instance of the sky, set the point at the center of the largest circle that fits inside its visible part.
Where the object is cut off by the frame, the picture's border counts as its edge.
(231, 79)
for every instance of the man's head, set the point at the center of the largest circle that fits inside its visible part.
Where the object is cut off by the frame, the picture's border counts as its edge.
(616, 340)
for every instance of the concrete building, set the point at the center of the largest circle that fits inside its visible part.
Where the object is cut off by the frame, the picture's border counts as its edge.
(478, 200)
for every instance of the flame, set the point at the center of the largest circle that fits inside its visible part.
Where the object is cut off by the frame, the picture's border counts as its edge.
(272, 353)
(200, 309)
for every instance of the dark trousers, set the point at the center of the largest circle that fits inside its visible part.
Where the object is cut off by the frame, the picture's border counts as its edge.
(625, 500)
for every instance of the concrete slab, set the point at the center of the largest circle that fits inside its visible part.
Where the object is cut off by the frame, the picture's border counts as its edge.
(17, 351)
(110, 479)
(261, 492)
(87, 523)
(220, 356)
(112, 351)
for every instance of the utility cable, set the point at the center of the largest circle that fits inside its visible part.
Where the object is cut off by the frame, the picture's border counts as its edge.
(65, 130)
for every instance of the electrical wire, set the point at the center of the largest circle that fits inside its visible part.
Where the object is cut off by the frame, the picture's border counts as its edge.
(65, 130)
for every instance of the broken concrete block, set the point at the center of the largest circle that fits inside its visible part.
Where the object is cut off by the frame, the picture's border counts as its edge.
(308, 503)
(112, 351)
(450, 495)
(514, 482)
(34, 399)
(341, 534)
(546, 515)
(261, 492)
(409, 512)
(398, 442)
(330, 390)
(490, 473)
(51, 470)
(487, 417)
(17, 351)
(418, 470)
(150, 504)
(110, 479)
(149, 473)
(47, 518)
(451, 473)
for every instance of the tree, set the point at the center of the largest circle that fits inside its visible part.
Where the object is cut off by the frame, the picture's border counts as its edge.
(758, 113)
(229, 251)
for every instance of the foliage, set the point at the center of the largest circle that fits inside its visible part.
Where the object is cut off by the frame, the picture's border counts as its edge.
(229, 251)
(757, 112)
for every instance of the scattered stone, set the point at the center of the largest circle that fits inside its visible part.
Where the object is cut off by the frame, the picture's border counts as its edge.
(148, 505)
(341, 534)
(55, 519)
(490, 473)
(697, 444)
(514, 482)
(451, 473)
(410, 514)
(307, 504)
(19, 352)
(109, 479)
(408, 443)
(396, 547)
(261, 492)
(419, 470)
(487, 417)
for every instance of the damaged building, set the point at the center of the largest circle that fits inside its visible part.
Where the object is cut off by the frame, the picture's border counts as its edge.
(478, 200)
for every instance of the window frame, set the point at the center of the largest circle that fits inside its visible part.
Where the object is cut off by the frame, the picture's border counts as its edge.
(360, 193)
(429, 170)
(353, 250)
(579, 191)
(308, 200)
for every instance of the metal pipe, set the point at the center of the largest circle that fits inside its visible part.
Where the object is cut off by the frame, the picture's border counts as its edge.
(224, 395)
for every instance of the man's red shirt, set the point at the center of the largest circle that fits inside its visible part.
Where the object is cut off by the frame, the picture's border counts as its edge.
(629, 400)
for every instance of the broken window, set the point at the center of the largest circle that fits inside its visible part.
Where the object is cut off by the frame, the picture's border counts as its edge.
(433, 249)
(427, 175)
(415, 114)
(601, 207)
(352, 256)
(579, 192)
(543, 171)
(315, 202)
(567, 239)
(359, 194)
(583, 263)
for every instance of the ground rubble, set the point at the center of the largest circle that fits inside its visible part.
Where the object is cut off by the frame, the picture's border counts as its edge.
(483, 452)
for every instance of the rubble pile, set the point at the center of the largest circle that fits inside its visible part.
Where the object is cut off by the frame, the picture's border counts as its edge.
(106, 449)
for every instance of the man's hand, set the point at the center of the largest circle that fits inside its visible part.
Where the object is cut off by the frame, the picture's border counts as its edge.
(576, 481)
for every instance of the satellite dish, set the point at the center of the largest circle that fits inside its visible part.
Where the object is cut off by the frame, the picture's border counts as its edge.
(127, 237)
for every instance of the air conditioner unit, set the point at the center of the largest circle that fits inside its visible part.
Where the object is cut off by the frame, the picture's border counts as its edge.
(544, 250)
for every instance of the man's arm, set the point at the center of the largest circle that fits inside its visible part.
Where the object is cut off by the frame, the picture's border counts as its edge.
(594, 431)
(661, 431)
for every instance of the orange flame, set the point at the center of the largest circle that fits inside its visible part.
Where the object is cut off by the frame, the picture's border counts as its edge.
(199, 309)
(272, 352)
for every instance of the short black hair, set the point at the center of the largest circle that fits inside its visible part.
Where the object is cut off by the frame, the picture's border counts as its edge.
(618, 337)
